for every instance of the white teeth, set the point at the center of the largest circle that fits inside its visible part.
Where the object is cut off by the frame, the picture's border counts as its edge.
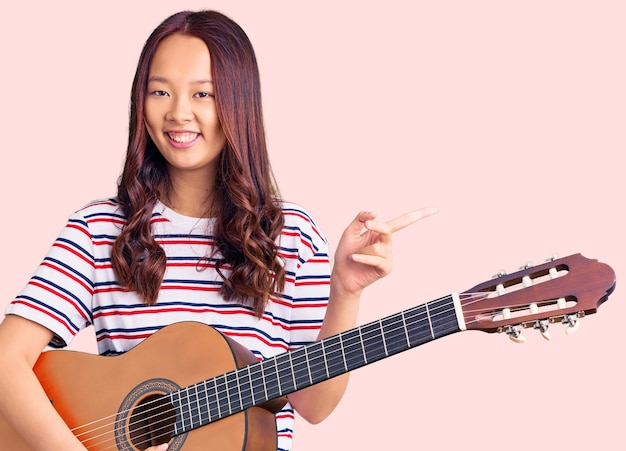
(185, 137)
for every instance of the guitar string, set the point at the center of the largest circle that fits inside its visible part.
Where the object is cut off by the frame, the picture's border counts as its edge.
(152, 402)
(352, 345)
(157, 431)
(227, 391)
(253, 381)
(187, 398)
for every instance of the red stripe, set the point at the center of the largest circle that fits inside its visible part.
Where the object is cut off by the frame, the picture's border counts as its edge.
(192, 265)
(257, 337)
(288, 256)
(286, 415)
(291, 213)
(58, 294)
(71, 276)
(174, 242)
(123, 337)
(34, 307)
(103, 243)
(298, 305)
(109, 220)
(73, 251)
(79, 228)
(188, 287)
(110, 290)
(146, 311)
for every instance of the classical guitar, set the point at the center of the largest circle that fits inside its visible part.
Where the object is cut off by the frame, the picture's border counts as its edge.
(190, 385)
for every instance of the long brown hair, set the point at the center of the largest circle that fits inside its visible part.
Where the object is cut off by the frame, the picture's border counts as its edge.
(250, 219)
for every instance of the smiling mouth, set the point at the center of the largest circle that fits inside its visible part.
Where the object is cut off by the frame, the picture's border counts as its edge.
(182, 137)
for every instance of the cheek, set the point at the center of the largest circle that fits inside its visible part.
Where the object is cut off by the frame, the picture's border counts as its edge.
(150, 124)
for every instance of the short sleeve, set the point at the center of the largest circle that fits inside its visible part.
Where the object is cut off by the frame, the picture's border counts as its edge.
(59, 294)
(312, 287)
(309, 271)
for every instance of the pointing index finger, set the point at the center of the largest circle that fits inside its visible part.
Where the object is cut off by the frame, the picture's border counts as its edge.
(407, 219)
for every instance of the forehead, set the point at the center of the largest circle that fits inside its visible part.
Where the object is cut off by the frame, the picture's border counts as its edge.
(181, 57)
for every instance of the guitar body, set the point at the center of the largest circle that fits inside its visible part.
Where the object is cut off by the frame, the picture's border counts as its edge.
(95, 394)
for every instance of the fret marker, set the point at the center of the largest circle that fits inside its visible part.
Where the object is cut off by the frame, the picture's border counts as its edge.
(279, 383)
(325, 359)
(406, 330)
(293, 375)
(307, 362)
(175, 423)
(362, 346)
(217, 398)
(230, 407)
(199, 407)
(430, 324)
(263, 379)
(382, 333)
(343, 353)
(251, 386)
(239, 390)
(189, 408)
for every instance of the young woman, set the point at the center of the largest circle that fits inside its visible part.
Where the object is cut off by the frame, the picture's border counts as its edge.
(197, 232)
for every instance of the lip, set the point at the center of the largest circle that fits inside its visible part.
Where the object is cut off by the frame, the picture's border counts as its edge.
(181, 145)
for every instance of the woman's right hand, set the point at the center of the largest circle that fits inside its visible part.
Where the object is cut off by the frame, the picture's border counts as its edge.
(161, 447)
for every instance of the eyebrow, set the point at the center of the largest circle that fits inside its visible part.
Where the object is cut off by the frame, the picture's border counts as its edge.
(164, 80)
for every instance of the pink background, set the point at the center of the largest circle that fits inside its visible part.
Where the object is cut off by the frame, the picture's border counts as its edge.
(509, 116)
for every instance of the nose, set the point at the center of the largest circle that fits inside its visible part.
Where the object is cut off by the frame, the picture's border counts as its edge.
(180, 110)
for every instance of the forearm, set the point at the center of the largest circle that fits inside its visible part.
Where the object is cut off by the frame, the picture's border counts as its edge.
(27, 409)
(317, 402)
(23, 403)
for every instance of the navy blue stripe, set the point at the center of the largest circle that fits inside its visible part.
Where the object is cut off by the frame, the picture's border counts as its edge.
(75, 245)
(106, 215)
(58, 313)
(103, 236)
(65, 292)
(185, 235)
(192, 282)
(70, 269)
(78, 221)
(224, 328)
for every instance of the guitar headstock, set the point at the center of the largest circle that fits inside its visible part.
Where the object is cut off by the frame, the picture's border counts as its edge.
(561, 290)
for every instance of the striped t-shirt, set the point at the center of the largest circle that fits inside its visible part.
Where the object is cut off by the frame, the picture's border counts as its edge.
(75, 287)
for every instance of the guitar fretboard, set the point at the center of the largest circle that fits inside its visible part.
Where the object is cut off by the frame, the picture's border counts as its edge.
(238, 390)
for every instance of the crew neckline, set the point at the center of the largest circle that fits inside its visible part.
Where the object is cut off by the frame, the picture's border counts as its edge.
(187, 222)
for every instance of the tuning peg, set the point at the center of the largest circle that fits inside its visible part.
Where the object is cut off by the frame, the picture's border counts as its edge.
(515, 334)
(526, 266)
(542, 326)
(527, 281)
(573, 324)
(553, 271)
(499, 274)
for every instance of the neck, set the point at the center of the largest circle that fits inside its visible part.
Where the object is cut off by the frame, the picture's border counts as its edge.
(192, 194)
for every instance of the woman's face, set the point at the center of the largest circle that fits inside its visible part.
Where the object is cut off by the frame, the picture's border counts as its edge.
(180, 111)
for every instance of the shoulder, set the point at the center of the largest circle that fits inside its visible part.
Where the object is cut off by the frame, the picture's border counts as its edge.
(100, 207)
(98, 214)
(300, 225)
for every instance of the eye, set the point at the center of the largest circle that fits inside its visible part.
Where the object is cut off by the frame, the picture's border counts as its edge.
(204, 94)
(159, 93)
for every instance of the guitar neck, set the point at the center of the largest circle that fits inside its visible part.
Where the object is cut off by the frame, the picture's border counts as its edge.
(255, 384)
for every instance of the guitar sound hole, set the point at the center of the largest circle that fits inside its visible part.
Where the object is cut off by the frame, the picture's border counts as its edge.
(151, 422)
